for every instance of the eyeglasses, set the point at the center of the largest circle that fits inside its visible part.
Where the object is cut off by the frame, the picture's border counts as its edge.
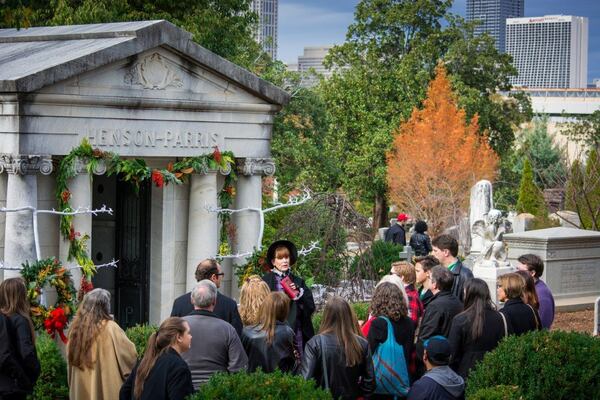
(220, 274)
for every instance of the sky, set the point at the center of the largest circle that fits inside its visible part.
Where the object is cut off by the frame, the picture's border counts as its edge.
(318, 22)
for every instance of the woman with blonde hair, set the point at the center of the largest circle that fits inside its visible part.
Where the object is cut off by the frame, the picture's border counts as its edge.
(521, 317)
(252, 294)
(338, 358)
(270, 343)
(162, 374)
(99, 354)
(20, 364)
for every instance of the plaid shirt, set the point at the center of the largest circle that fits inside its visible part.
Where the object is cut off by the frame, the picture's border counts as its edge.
(415, 306)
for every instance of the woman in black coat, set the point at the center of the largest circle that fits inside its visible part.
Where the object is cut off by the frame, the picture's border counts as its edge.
(270, 343)
(476, 330)
(420, 241)
(20, 366)
(162, 374)
(281, 255)
(520, 316)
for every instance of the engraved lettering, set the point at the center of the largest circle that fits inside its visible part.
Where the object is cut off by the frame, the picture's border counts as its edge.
(126, 138)
(169, 138)
(149, 139)
(116, 138)
(138, 140)
(178, 140)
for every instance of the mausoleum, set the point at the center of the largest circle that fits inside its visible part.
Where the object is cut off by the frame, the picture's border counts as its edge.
(141, 90)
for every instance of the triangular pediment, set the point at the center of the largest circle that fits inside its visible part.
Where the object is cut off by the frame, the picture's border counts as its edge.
(157, 73)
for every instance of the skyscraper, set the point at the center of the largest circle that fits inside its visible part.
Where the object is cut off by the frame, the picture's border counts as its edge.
(493, 15)
(549, 51)
(266, 32)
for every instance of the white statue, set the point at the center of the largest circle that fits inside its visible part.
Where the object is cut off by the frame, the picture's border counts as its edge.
(480, 205)
(490, 231)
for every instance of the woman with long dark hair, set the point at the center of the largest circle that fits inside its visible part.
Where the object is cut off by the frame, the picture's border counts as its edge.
(162, 374)
(477, 329)
(270, 343)
(529, 294)
(20, 366)
(420, 241)
(338, 358)
(99, 354)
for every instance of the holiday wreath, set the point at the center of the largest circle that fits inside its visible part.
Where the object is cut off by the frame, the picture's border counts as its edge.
(37, 276)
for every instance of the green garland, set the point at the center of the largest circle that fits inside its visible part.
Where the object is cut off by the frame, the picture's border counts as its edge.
(134, 171)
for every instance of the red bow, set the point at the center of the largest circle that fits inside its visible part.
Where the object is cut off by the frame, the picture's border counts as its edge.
(56, 323)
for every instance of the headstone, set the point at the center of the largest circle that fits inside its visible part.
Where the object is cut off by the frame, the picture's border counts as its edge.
(597, 317)
(407, 253)
(522, 222)
(481, 202)
(568, 219)
(382, 232)
(571, 257)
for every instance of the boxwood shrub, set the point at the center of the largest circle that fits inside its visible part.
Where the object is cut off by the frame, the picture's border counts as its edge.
(139, 335)
(259, 385)
(500, 392)
(542, 365)
(361, 310)
(52, 383)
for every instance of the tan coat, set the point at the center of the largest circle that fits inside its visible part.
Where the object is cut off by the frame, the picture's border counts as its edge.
(114, 357)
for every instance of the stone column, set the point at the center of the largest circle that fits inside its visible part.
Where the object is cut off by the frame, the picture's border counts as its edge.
(80, 187)
(3, 179)
(249, 194)
(21, 191)
(202, 225)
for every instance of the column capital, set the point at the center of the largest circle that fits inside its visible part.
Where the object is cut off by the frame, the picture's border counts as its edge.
(81, 166)
(24, 164)
(256, 166)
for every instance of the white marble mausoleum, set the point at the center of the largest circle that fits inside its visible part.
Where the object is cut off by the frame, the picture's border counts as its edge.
(143, 90)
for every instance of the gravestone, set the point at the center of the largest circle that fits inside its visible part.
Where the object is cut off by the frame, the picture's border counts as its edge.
(571, 259)
(597, 317)
(568, 219)
(522, 222)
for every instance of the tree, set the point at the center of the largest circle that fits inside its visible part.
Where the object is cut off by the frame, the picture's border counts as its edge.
(582, 193)
(437, 157)
(531, 199)
(222, 26)
(381, 74)
(585, 129)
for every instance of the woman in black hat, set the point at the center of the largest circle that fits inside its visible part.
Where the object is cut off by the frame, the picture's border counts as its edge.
(281, 255)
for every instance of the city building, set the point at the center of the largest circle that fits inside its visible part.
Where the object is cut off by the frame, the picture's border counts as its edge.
(549, 51)
(312, 59)
(493, 14)
(266, 32)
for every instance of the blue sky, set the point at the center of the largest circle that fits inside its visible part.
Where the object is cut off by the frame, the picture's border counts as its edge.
(317, 22)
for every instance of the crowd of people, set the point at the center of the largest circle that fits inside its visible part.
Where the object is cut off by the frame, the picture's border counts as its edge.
(429, 324)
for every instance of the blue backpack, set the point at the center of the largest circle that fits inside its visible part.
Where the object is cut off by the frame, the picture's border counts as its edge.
(391, 372)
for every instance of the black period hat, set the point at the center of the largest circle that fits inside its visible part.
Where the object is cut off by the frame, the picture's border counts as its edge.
(282, 243)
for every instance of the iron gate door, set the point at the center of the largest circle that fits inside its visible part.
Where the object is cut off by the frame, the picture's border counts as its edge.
(133, 250)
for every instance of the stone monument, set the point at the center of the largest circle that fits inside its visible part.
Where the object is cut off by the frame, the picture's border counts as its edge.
(481, 203)
(572, 261)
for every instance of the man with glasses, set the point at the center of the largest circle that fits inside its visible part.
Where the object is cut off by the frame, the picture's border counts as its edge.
(226, 308)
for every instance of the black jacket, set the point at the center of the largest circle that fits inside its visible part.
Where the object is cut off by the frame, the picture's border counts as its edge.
(300, 310)
(521, 317)
(466, 352)
(461, 275)
(226, 309)
(444, 306)
(277, 355)
(396, 234)
(19, 365)
(344, 382)
(169, 379)
(420, 243)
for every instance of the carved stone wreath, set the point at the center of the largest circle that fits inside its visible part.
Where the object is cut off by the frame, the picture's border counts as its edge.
(154, 73)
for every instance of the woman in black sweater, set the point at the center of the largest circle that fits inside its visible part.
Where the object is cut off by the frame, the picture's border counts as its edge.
(476, 330)
(520, 316)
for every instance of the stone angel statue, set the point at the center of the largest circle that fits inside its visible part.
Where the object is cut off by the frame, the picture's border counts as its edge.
(491, 230)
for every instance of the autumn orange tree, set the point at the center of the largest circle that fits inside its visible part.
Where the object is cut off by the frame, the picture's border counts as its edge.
(436, 157)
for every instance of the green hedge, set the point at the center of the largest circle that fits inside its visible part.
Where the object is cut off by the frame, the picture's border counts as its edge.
(259, 385)
(542, 365)
(500, 392)
(361, 310)
(139, 335)
(52, 383)
(376, 261)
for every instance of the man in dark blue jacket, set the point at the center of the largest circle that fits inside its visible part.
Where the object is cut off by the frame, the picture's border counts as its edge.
(397, 233)
(439, 382)
(445, 249)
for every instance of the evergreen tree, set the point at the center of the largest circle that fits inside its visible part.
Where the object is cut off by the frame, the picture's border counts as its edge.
(531, 199)
(591, 195)
(574, 187)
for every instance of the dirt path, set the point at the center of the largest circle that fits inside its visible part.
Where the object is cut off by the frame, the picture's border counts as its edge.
(579, 321)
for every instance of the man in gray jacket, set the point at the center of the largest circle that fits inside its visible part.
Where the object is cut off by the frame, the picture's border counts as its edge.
(215, 344)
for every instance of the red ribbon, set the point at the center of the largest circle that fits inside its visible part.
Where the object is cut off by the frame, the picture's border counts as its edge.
(56, 323)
